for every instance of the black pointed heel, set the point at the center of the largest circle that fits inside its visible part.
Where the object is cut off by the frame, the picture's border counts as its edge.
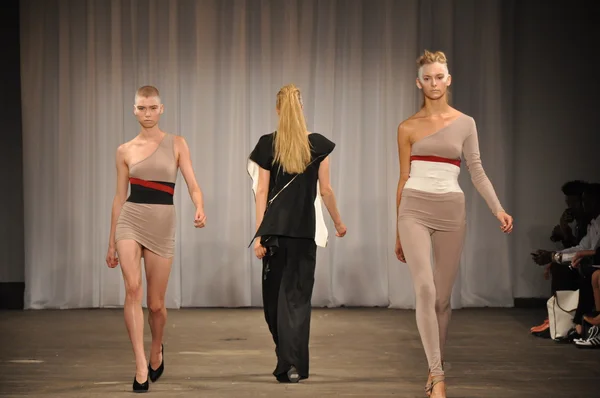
(155, 374)
(143, 387)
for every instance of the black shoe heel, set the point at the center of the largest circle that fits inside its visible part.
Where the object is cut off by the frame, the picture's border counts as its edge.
(155, 374)
(143, 387)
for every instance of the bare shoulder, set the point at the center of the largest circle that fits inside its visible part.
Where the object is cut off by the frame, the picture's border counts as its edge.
(124, 149)
(408, 126)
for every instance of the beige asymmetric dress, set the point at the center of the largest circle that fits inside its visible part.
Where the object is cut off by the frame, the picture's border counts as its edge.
(432, 218)
(148, 215)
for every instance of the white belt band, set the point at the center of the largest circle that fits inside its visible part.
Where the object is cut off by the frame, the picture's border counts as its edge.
(434, 177)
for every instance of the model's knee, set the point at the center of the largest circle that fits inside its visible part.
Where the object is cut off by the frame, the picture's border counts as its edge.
(426, 292)
(442, 305)
(156, 306)
(133, 291)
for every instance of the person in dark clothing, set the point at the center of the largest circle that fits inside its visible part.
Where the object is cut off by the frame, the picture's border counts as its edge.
(584, 249)
(290, 168)
(565, 278)
(587, 252)
(574, 213)
(569, 232)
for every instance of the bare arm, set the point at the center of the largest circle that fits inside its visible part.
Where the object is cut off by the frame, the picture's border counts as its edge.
(121, 194)
(262, 190)
(404, 148)
(185, 165)
(327, 192)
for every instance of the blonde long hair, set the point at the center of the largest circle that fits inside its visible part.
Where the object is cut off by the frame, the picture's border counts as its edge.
(292, 148)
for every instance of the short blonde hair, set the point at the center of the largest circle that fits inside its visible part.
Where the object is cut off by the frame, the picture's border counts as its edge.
(147, 92)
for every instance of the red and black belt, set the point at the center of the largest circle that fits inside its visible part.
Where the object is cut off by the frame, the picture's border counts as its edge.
(151, 192)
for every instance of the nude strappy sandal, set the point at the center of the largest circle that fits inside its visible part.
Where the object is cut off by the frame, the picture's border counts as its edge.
(429, 385)
(434, 380)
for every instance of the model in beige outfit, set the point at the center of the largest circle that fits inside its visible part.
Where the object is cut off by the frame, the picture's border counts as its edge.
(143, 225)
(431, 205)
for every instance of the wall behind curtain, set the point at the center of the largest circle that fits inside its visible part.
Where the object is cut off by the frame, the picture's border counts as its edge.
(218, 65)
(12, 262)
(556, 131)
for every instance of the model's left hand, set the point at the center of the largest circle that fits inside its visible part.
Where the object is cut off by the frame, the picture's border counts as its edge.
(506, 222)
(199, 218)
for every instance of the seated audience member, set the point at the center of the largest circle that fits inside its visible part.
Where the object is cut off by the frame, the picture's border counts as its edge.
(586, 248)
(569, 232)
(594, 317)
(591, 336)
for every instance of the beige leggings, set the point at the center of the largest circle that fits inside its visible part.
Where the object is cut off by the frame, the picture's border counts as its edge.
(433, 288)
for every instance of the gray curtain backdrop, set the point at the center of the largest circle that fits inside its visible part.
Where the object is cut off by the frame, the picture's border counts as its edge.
(219, 65)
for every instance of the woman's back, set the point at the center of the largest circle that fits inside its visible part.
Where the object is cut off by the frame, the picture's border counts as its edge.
(289, 169)
(290, 202)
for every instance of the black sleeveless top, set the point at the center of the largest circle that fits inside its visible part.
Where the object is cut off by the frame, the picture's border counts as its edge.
(292, 213)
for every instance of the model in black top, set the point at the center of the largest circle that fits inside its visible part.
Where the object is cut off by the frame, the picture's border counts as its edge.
(293, 165)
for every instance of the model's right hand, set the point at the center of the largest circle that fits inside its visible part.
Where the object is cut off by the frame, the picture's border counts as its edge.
(111, 257)
(399, 251)
(259, 249)
(199, 218)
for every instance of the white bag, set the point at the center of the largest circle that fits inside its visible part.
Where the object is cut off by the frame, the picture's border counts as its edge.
(561, 309)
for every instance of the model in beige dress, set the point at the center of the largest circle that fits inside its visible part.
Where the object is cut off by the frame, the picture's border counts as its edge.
(143, 225)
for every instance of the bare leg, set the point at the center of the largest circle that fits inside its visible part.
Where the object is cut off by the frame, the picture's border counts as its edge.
(158, 270)
(129, 252)
(596, 287)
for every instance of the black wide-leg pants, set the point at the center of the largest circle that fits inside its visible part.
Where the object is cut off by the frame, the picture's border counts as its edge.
(287, 286)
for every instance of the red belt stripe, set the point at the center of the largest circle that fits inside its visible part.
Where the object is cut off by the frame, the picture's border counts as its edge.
(151, 184)
(455, 162)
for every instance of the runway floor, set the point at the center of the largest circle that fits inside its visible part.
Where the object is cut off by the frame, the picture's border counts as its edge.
(229, 353)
